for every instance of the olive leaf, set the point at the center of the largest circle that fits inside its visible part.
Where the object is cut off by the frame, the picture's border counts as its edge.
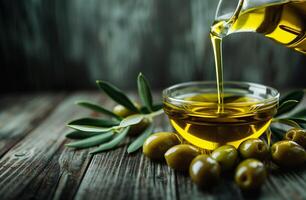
(98, 131)
(286, 121)
(131, 120)
(144, 92)
(113, 143)
(97, 108)
(92, 125)
(279, 133)
(144, 110)
(155, 113)
(117, 95)
(303, 126)
(300, 113)
(300, 121)
(286, 106)
(87, 128)
(91, 141)
(294, 95)
(79, 134)
(157, 107)
(288, 103)
(94, 122)
(136, 144)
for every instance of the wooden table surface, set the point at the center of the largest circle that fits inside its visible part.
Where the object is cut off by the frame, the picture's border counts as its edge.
(35, 164)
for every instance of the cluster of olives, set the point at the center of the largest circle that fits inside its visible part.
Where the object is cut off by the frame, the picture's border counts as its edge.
(206, 169)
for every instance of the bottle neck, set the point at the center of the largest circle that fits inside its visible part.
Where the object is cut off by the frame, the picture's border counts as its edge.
(226, 14)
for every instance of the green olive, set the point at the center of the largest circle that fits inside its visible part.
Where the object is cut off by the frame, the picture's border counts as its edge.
(226, 155)
(123, 112)
(250, 174)
(296, 135)
(180, 156)
(254, 148)
(139, 128)
(288, 153)
(157, 144)
(204, 171)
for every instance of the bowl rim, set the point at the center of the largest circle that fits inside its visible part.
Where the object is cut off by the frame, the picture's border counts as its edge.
(273, 99)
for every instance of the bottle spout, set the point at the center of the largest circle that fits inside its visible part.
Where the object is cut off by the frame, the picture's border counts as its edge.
(228, 10)
(226, 14)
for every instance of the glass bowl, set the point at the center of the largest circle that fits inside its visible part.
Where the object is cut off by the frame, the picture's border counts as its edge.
(196, 115)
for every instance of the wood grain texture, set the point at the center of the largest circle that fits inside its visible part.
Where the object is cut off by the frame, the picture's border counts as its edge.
(63, 173)
(49, 44)
(39, 166)
(30, 164)
(19, 115)
(119, 176)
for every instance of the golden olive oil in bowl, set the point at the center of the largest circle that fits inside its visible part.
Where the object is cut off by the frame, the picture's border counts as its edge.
(196, 115)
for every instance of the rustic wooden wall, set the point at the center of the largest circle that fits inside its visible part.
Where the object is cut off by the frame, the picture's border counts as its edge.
(67, 44)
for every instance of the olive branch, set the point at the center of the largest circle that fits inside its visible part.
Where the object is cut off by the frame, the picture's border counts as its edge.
(108, 133)
(285, 116)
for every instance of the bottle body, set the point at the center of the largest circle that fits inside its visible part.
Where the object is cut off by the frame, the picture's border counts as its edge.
(284, 22)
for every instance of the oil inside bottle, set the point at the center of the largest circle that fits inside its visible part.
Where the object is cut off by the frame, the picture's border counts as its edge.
(283, 21)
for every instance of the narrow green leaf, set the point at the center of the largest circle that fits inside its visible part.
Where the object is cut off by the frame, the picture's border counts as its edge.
(97, 108)
(286, 107)
(94, 122)
(113, 143)
(144, 110)
(144, 92)
(86, 128)
(117, 95)
(287, 122)
(131, 120)
(138, 142)
(92, 141)
(156, 113)
(92, 125)
(300, 113)
(295, 95)
(79, 134)
(298, 120)
(279, 133)
(157, 107)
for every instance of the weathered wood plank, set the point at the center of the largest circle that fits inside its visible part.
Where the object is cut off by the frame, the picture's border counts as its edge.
(36, 166)
(110, 39)
(115, 175)
(60, 177)
(19, 115)
(40, 167)
(286, 185)
(119, 175)
(63, 174)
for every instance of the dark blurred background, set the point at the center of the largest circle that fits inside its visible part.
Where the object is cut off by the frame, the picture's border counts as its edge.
(68, 44)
